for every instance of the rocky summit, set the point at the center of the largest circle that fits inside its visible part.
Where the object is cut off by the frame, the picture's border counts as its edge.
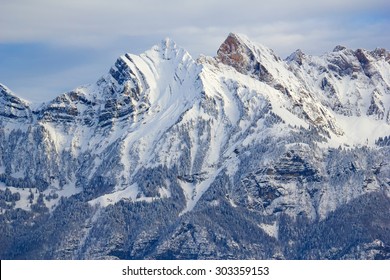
(239, 156)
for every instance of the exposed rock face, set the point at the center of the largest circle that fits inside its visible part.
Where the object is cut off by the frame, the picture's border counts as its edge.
(244, 57)
(239, 156)
(232, 52)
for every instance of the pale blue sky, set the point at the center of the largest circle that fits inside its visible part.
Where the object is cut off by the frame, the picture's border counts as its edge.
(49, 47)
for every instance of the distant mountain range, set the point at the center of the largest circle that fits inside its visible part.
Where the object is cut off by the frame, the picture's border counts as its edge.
(239, 156)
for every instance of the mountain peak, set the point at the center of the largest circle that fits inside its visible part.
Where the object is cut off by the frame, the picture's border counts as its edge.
(168, 44)
(339, 48)
(297, 56)
(168, 49)
(234, 43)
(238, 38)
(379, 53)
(235, 52)
(11, 106)
(6, 93)
(244, 55)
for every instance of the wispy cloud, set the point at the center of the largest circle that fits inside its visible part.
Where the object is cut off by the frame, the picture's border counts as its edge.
(97, 23)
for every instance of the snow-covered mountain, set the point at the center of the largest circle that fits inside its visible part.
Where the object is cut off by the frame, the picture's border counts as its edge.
(242, 155)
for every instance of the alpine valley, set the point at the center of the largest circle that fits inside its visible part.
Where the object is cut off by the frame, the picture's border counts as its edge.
(238, 156)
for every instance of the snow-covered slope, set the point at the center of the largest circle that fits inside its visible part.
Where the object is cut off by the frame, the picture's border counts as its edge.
(174, 148)
(354, 85)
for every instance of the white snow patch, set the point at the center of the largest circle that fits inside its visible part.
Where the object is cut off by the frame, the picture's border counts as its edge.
(130, 193)
(57, 135)
(232, 165)
(188, 190)
(359, 131)
(67, 190)
(165, 191)
(214, 203)
(24, 202)
(270, 229)
(193, 192)
(232, 203)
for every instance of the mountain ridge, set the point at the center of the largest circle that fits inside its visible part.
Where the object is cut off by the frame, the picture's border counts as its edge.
(174, 148)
